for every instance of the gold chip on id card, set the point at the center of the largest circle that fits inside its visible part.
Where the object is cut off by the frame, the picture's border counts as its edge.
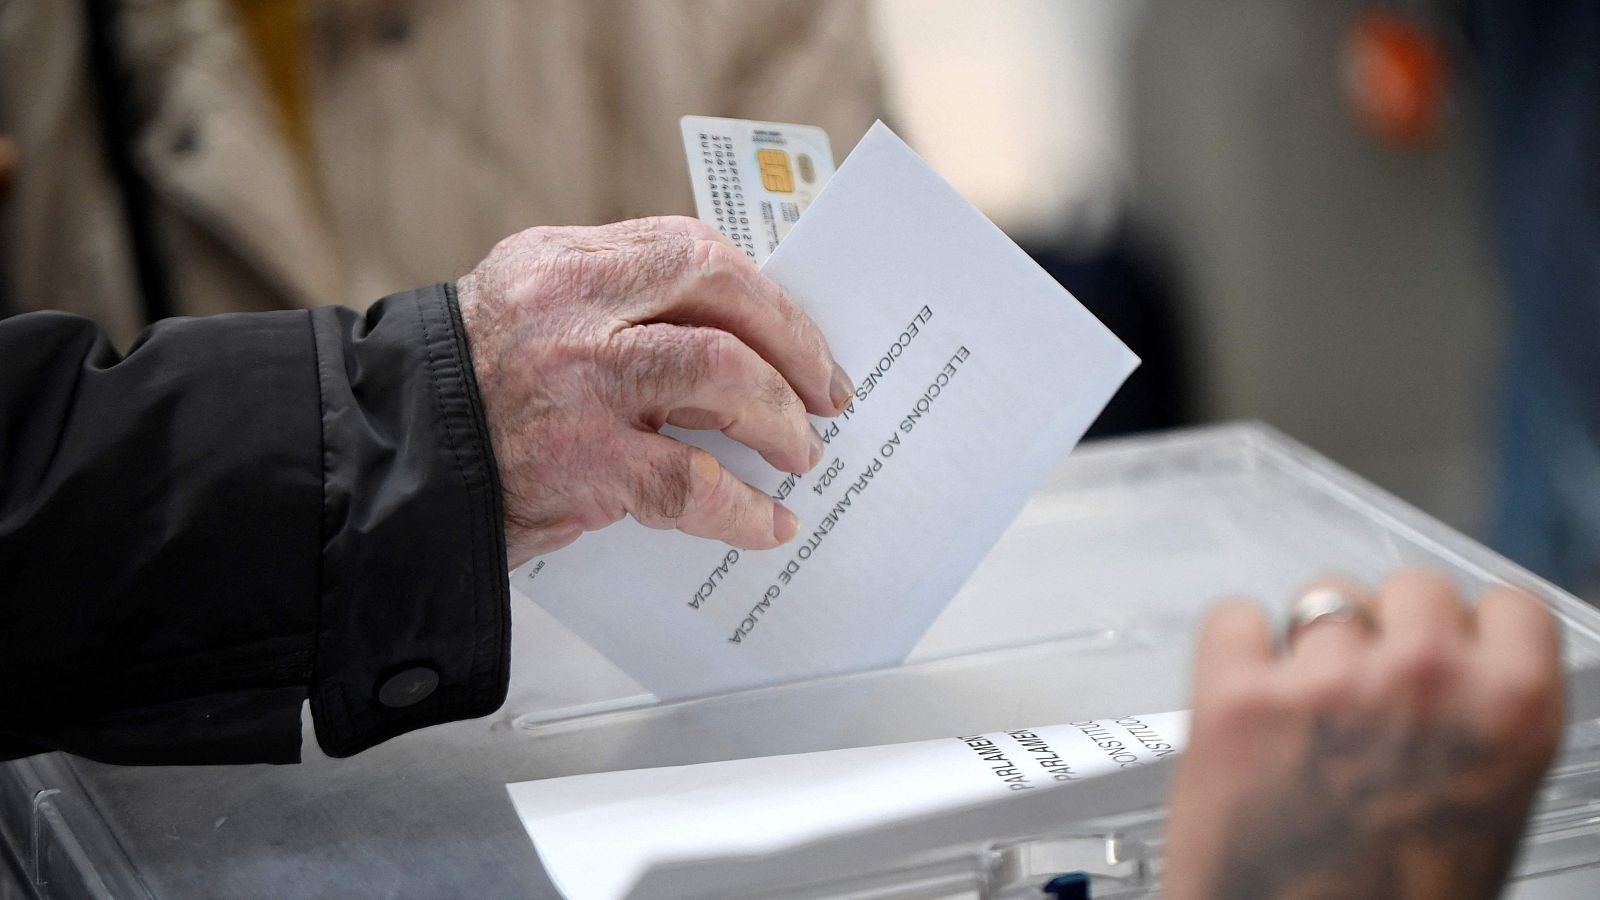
(752, 180)
(775, 175)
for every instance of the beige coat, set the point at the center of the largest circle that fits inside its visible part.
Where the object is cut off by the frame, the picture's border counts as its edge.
(440, 126)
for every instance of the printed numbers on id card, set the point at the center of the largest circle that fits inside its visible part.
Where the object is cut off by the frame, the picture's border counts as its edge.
(721, 172)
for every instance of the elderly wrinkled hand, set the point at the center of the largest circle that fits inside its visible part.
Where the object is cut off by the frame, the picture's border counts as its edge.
(586, 341)
(1390, 753)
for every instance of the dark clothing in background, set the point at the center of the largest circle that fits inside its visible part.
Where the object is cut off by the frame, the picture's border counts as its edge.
(1540, 67)
(1123, 284)
(246, 511)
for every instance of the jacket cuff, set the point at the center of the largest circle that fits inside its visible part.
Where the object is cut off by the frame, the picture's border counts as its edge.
(414, 618)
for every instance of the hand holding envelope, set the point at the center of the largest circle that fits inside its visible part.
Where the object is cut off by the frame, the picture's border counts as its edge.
(975, 373)
(637, 324)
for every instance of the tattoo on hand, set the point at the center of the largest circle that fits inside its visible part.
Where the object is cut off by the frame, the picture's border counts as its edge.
(1385, 813)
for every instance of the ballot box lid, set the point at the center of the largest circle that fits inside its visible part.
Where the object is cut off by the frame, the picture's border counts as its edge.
(1085, 608)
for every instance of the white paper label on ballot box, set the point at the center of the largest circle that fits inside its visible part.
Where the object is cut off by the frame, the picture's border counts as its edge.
(597, 835)
(975, 371)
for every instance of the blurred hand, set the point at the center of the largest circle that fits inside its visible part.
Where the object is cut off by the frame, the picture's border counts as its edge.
(1392, 757)
(585, 341)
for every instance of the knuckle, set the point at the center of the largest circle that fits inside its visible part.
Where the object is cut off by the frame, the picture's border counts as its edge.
(718, 353)
(652, 361)
(1243, 704)
(774, 392)
(793, 315)
(665, 488)
(804, 335)
(697, 231)
(630, 364)
(698, 355)
(715, 263)
(1423, 666)
(1424, 672)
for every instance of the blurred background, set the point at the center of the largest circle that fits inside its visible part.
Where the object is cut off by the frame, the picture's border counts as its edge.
(1329, 280)
(1370, 225)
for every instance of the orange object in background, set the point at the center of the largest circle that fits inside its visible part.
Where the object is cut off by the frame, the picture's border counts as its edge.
(1393, 73)
(8, 164)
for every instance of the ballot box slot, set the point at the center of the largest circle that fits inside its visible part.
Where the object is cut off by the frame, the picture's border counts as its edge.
(643, 706)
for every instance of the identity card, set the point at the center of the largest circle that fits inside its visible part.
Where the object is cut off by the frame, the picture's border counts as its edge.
(752, 180)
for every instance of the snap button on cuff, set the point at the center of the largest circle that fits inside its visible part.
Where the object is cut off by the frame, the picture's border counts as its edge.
(409, 687)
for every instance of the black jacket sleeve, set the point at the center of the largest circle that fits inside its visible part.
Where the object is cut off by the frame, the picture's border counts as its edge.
(243, 512)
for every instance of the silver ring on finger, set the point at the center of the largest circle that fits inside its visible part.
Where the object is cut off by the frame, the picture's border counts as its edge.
(1324, 604)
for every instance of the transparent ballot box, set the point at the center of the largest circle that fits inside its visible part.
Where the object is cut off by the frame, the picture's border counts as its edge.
(1086, 608)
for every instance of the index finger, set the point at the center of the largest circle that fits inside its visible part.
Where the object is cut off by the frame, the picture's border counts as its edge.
(725, 290)
(1235, 644)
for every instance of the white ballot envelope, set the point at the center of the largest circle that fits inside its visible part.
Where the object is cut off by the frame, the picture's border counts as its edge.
(601, 835)
(975, 373)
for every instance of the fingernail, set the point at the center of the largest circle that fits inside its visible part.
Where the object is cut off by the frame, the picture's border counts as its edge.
(816, 449)
(784, 523)
(841, 389)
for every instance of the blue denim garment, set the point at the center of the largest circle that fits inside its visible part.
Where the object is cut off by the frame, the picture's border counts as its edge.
(1539, 65)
